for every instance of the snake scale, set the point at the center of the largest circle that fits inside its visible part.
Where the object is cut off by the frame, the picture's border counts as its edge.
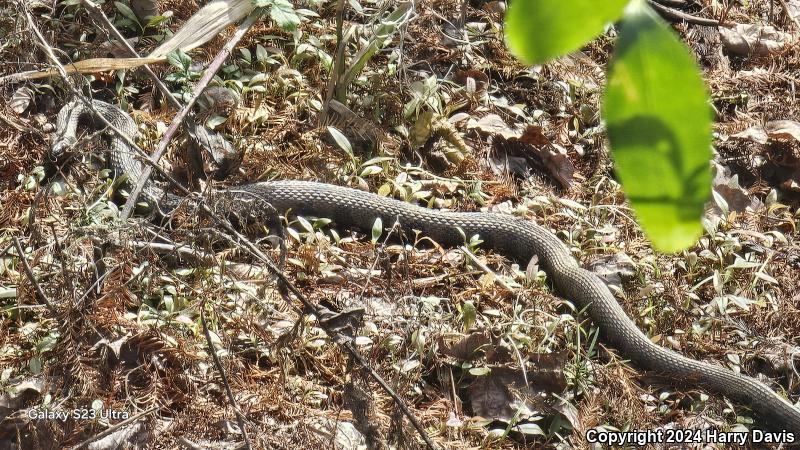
(514, 237)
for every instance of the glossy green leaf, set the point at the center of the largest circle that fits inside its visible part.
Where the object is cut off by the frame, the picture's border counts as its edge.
(377, 229)
(283, 13)
(659, 126)
(540, 30)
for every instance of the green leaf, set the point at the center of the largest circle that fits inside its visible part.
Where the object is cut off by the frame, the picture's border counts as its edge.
(540, 30)
(659, 127)
(126, 11)
(469, 314)
(174, 59)
(283, 13)
(215, 121)
(341, 140)
(377, 229)
(261, 53)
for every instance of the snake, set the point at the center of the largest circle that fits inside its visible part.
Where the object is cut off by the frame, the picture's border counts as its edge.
(514, 237)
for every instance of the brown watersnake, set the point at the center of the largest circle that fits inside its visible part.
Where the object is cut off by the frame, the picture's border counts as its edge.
(514, 237)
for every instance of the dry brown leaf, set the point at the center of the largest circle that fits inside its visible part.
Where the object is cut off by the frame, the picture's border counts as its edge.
(783, 129)
(728, 188)
(204, 25)
(21, 99)
(474, 81)
(755, 40)
(493, 124)
(466, 348)
(755, 133)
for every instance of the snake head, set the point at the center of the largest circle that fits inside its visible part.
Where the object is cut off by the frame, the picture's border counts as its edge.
(61, 146)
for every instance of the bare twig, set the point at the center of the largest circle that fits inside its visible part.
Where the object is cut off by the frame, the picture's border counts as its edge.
(485, 268)
(115, 427)
(674, 14)
(208, 75)
(32, 278)
(228, 391)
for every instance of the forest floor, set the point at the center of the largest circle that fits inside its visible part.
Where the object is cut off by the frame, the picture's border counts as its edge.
(478, 348)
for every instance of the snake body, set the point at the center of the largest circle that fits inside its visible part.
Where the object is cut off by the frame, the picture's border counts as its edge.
(511, 236)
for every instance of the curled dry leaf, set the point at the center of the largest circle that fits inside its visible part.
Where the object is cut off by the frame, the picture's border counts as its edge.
(532, 150)
(727, 186)
(466, 348)
(21, 99)
(753, 40)
(494, 125)
(474, 82)
(783, 130)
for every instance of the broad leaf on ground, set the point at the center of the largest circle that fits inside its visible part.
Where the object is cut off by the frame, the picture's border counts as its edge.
(540, 30)
(659, 125)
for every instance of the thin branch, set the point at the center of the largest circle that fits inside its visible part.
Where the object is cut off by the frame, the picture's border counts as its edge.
(32, 278)
(485, 268)
(680, 16)
(208, 75)
(228, 391)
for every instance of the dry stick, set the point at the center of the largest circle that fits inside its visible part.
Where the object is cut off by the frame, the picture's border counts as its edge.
(32, 278)
(485, 268)
(8, 247)
(674, 14)
(228, 391)
(208, 75)
(114, 428)
(249, 246)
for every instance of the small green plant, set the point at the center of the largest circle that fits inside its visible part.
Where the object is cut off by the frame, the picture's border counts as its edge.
(656, 105)
(185, 74)
(281, 12)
